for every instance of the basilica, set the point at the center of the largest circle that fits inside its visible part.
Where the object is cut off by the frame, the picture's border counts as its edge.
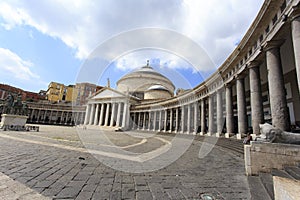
(258, 82)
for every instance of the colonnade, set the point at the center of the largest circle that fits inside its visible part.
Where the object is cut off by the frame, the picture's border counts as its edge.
(214, 109)
(54, 116)
(113, 114)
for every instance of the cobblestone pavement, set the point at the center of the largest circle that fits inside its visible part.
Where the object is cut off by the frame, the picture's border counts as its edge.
(53, 164)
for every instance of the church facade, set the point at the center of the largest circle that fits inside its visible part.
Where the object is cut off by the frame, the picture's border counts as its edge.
(259, 82)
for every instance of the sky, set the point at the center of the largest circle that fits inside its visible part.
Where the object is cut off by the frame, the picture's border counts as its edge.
(69, 41)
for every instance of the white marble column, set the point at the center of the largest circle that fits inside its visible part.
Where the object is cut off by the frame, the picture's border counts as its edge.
(182, 119)
(149, 120)
(295, 25)
(87, 114)
(62, 117)
(154, 120)
(210, 115)
(166, 120)
(196, 117)
(241, 107)
(177, 120)
(101, 114)
(118, 115)
(139, 121)
(257, 112)
(125, 116)
(202, 118)
(113, 112)
(220, 121)
(144, 120)
(229, 111)
(92, 115)
(31, 115)
(278, 104)
(160, 121)
(171, 120)
(189, 118)
(96, 114)
(134, 122)
(107, 114)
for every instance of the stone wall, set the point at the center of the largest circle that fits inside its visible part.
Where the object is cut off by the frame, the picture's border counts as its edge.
(262, 157)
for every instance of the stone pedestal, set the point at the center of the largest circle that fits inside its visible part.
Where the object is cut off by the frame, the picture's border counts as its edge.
(13, 120)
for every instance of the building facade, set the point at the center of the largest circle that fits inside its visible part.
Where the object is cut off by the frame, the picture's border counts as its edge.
(58, 92)
(26, 95)
(259, 82)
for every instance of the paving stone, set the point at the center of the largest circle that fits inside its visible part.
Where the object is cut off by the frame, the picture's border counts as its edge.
(84, 195)
(58, 173)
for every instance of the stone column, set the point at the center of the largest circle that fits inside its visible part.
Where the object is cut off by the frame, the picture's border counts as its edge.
(154, 121)
(203, 124)
(166, 120)
(31, 115)
(241, 107)
(139, 121)
(45, 115)
(196, 115)
(279, 110)
(125, 114)
(149, 120)
(118, 114)
(182, 119)
(177, 120)
(295, 25)
(56, 118)
(160, 120)
(257, 112)
(171, 120)
(229, 111)
(107, 114)
(62, 117)
(189, 119)
(144, 120)
(134, 121)
(96, 115)
(87, 114)
(220, 121)
(92, 114)
(210, 115)
(101, 114)
(112, 119)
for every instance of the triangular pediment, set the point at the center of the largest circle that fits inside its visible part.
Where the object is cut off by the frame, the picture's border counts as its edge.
(108, 93)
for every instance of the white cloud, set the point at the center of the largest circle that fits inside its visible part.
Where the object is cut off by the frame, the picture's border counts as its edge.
(13, 66)
(82, 25)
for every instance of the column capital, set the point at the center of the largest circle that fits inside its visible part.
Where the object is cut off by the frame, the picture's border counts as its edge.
(240, 76)
(295, 11)
(253, 64)
(228, 84)
(272, 44)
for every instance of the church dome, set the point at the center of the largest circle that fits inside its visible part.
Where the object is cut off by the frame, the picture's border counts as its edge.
(142, 79)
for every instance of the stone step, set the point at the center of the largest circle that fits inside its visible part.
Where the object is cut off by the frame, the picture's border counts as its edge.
(267, 181)
(257, 189)
(293, 171)
(281, 173)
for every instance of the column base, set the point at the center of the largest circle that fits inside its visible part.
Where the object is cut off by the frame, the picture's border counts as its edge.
(209, 134)
(218, 134)
(238, 136)
(202, 133)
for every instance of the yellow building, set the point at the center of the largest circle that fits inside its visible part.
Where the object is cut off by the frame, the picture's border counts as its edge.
(58, 92)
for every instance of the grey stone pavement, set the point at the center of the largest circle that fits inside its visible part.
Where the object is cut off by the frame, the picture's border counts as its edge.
(54, 164)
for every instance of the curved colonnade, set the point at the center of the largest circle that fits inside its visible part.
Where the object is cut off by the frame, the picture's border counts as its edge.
(259, 82)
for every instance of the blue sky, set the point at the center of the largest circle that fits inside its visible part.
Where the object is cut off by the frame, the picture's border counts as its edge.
(44, 41)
